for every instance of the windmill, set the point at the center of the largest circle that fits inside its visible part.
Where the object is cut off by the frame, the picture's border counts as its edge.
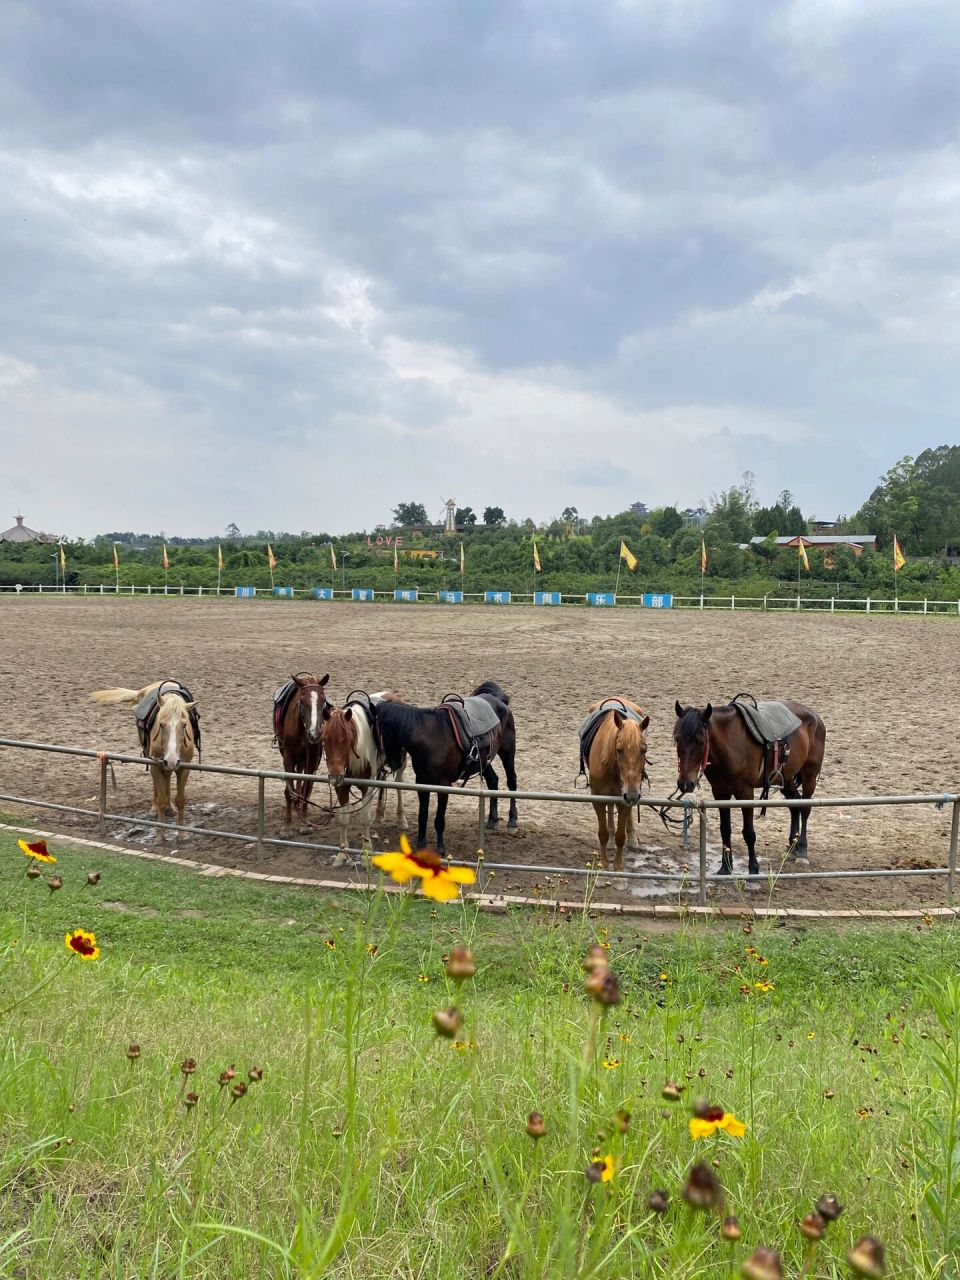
(448, 516)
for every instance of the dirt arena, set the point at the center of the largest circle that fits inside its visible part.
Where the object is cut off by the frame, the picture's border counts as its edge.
(885, 686)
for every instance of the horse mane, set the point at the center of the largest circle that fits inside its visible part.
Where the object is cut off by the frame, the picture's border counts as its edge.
(688, 725)
(494, 690)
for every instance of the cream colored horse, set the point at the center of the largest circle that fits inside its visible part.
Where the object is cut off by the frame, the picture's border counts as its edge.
(617, 766)
(170, 744)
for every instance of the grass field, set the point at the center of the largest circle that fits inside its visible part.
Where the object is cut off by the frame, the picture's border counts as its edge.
(374, 1147)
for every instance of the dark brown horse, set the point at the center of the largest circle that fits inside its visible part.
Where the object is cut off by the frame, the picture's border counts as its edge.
(299, 730)
(430, 738)
(715, 742)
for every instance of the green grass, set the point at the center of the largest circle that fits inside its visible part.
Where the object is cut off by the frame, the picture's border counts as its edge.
(372, 1147)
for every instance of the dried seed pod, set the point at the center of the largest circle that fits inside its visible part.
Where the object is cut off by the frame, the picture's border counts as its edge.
(228, 1074)
(658, 1201)
(829, 1208)
(813, 1226)
(133, 1052)
(188, 1066)
(190, 1100)
(255, 1075)
(460, 964)
(595, 958)
(536, 1126)
(763, 1264)
(33, 871)
(603, 985)
(730, 1228)
(448, 1022)
(867, 1258)
(671, 1091)
(702, 1189)
(54, 883)
(93, 877)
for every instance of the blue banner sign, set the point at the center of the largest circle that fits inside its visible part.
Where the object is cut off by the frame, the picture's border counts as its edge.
(450, 597)
(546, 597)
(600, 598)
(407, 594)
(362, 593)
(323, 593)
(653, 601)
(284, 593)
(246, 593)
(496, 597)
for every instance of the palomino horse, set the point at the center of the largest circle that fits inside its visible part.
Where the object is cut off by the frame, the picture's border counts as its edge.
(350, 745)
(616, 764)
(299, 731)
(169, 735)
(430, 736)
(715, 742)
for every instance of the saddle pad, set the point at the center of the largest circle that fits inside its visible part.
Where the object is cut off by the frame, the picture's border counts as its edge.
(768, 722)
(281, 695)
(476, 715)
(588, 729)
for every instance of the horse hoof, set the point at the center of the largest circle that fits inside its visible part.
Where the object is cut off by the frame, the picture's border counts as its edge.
(752, 884)
(491, 824)
(724, 870)
(514, 825)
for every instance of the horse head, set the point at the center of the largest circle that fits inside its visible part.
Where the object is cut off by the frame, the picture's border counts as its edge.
(339, 739)
(692, 736)
(172, 733)
(631, 750)
(313, 699)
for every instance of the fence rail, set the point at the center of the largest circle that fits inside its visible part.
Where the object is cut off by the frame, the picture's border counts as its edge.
(689, 806)
(866, 605)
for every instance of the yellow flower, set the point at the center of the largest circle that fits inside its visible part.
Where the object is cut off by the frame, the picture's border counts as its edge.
(811, 1035)
(330, 943)
(664, 977)
(716, 1118)
(611, 1064)
(82, 944)
(623, 1037)
(764, 986)
(601, 1169)
(37, 850)
(438, 880)
(423, 978)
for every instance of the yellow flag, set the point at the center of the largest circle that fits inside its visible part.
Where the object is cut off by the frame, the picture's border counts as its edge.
(333, 558)
(803, 555)
(166, 558)
(63, 558)
(220, 557)
(627, 555)
(899, 559)
(703, 556)
(116, 558)
(536, 557)
(271, 558)
(461, 557)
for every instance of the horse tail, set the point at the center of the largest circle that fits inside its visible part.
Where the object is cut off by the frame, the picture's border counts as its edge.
(106, 696)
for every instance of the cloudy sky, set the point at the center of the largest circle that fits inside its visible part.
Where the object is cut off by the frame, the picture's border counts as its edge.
(288, 263)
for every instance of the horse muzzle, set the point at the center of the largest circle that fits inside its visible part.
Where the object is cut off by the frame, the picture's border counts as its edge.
(313, 738)
(631, 797)
(685, 787)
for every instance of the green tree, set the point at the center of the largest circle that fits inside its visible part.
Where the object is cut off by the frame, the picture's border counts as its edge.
(465, 516)
(665, 521)
(493, 517)
(410, 514)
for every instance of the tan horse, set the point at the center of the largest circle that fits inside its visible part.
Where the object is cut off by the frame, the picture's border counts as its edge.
(170, 743)
(616, 766)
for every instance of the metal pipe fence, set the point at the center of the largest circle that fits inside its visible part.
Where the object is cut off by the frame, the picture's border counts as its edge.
(865, 605)
(690, 807)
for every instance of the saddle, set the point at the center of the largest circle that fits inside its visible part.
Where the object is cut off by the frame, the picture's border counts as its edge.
(771, 725)
(474, 722)
(145, 713)
(590, 726)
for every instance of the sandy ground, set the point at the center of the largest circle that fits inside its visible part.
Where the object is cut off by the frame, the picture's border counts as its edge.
(885, 686)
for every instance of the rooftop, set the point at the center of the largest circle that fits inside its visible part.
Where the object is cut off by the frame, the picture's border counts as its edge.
(22, 533)
(822, 540)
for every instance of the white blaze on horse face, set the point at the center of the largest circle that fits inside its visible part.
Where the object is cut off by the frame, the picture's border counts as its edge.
(314, 711)
(171, 755)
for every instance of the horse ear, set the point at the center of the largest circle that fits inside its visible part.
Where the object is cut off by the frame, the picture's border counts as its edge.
(706, 713)
(677, 707)
(618, 719)
(325, 678)
(644, 723)
(327, 711)
(348, 714)
(189, 705)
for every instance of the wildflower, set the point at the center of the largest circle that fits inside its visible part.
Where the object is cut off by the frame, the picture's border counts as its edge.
(191, 1100)
(701, 1188)
(33, 871)
(713, 1118)
(595, 958)
(54, 883)
(423, 978)
(813, 1226)
(460, 964)
(621, 1120)
(371, 949)
(93, 877)
(730, 1228)
(763, 986)
(671, 1091)
(330, 944)
(255, 1075)
(37, 850)
(611, 1064)
(536, 1126)
(763, 1264)
(811, 1035)
(438, 880)
(463, 1046)
(604, 986)
(664, 977)
(82, 943)
(658, 1201)
(600, 1170)
(829, 1207)
(828, 1094)
(188, 1066)
(624, 1038)
(227, 1075)
(866, 1258)
(133, 1052)
(238, 1091)
(448, 1022)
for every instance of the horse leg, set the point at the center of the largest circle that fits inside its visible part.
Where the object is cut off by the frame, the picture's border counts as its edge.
(366, 805)
(182, 777)
(423, 800)
(510, 773)
(603, 834)
(623, 818)
(440, 821)
(809, 776)
(162, 793)
(750, 839)
(493, 783)
(401, 817)
(726, 855)
(343, 818)
(633, 839)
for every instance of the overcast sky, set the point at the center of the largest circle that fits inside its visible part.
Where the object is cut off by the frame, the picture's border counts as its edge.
(288, 263)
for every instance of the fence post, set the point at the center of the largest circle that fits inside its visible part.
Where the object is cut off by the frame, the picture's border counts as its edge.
(702, 895)
(102, 793)
(261, 787)
(924, 604)
(952, 860)
(480, 816)
(733, 602)
(868, 604)
(764, 604)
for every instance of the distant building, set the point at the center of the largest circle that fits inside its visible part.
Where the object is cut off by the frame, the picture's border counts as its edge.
(695, 516)
(21, 533)
(857, 542)
(824, 526)
(639, 509)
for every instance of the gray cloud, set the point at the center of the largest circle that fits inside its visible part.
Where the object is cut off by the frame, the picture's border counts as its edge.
(532, 254)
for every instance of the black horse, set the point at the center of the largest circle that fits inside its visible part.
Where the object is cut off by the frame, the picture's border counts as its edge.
(433, 741)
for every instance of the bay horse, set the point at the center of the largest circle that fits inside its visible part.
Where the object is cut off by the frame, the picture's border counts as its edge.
(169, 737)
(428, 735)
(616, 764)
(298, 730)
(714, 742)
(350, 745)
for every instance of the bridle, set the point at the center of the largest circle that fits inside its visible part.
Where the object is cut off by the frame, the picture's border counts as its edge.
(665, 816)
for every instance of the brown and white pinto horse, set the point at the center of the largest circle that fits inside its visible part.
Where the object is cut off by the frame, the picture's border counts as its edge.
(170, 742)
(350, 745)
(714, 742)
(299, 738)
(616, 765)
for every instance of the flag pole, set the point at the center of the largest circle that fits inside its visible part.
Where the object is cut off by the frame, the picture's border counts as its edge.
(116, 568)
(619, 566)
